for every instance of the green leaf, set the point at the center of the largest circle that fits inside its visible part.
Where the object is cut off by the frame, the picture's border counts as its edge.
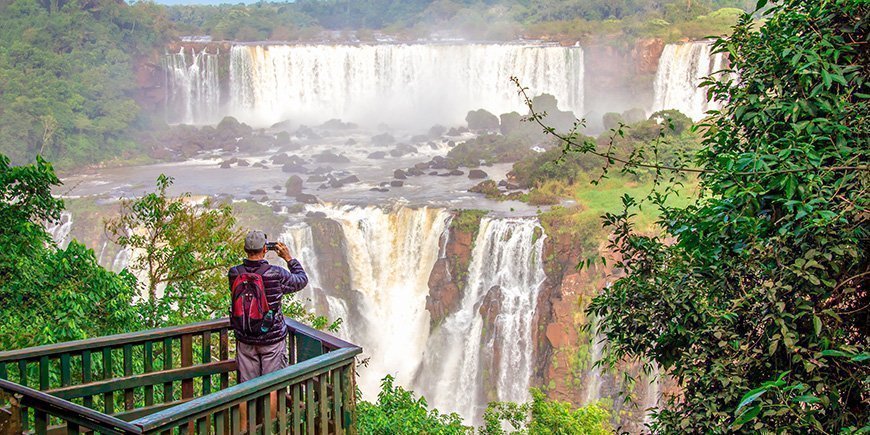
(747, 416)
(750, 397)
(817, 324)
(806, 399)
(837, 353)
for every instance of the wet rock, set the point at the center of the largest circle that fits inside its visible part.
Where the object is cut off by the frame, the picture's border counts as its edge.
(323, 170)
(433, 173)
(397, 183)
(399, 174)
(331, 157)
(243, 162)
(383, 139)
(379, 189)
(481, 120)
(457, 131)
(486, 187)
(350, 142)
(316, 215)
(432, 145)
(283, 125)
(226, 164)
(293, 186)
(307, 133)
(258, 192)
(455, 173)
(377, 155)
(421, 166)
(437, 130)
(316, 178)
(260, 165)
(451, 143)
(349, 179)
(307, 198)
(414, 172)
(477, 174)
(276, 187)
(337, 124)
(294, 168)
(402, 150)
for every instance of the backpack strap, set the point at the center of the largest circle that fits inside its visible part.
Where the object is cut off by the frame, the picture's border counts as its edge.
(263, 269)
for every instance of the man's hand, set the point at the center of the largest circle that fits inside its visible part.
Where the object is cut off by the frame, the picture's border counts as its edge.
(283, 251)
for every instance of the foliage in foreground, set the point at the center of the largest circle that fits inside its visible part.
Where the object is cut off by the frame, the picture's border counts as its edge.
(754, 297)
(48, 294)
(398, 411)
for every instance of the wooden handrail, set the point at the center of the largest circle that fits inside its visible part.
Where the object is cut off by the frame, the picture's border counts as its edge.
(69, 411)
(330, 341)
(112, 340)
(247, 390)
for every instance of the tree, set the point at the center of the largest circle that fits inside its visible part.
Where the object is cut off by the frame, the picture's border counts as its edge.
(754, 297)
(50, 295)
(397, 411)
(182, 252)
(545, 417)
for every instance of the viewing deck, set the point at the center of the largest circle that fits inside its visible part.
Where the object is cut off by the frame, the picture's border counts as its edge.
(177, 380)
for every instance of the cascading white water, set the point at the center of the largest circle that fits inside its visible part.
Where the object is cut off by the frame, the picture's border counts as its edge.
(681, 70)
(390, 254)
(60, 230)
(395, 83)
(193, 87)
(507, 260)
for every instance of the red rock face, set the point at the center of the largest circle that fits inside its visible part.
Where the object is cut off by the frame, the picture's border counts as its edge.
(150, 94)
(449, 276)
(645, 55)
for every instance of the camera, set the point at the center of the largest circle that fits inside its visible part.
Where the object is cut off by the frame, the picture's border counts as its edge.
(272, 246)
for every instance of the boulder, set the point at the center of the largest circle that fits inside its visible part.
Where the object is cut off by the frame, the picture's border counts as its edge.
(455, 173)
(379, 189)
(306, 198)
(481, 120)
(397, 183)
(294, 168)
(243, 162)
(477, 174)
(399, 174)
(377, 155)
(350, 179)
(383, 139)
(225, 164)
(258, 192)
(317, 178)
(331, 157)
(293, 186)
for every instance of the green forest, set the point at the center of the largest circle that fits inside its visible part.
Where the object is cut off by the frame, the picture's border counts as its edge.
(751, 292)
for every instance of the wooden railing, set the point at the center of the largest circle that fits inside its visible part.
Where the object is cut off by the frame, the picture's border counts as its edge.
(177, 379)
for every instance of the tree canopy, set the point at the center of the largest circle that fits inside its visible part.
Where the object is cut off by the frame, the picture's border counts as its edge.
(753, 298)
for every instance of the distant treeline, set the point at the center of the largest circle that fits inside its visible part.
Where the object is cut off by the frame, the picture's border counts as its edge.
(473, 19)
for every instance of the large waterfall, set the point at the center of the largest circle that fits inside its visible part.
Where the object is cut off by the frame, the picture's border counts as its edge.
(481, 352)
(681, 70)
(390, 254)
(399, 84)
(484, 350)
(193, 87)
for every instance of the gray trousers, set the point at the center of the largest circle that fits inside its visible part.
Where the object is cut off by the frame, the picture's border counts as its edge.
(255, 361)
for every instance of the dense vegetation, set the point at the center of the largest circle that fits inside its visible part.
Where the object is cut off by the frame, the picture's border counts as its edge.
(753, 296)
(474, 19)
(67, 77)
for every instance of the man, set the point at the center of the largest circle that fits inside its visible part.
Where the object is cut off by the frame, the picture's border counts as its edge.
(267, 352)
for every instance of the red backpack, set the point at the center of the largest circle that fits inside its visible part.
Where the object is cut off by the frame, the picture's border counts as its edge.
(250, 313)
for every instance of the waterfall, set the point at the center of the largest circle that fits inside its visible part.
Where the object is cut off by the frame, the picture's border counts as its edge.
(193, 87)
(392, 83)
(593, 374)
(487, 342)
(681, 70)
(391, 254)
(60, 230)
